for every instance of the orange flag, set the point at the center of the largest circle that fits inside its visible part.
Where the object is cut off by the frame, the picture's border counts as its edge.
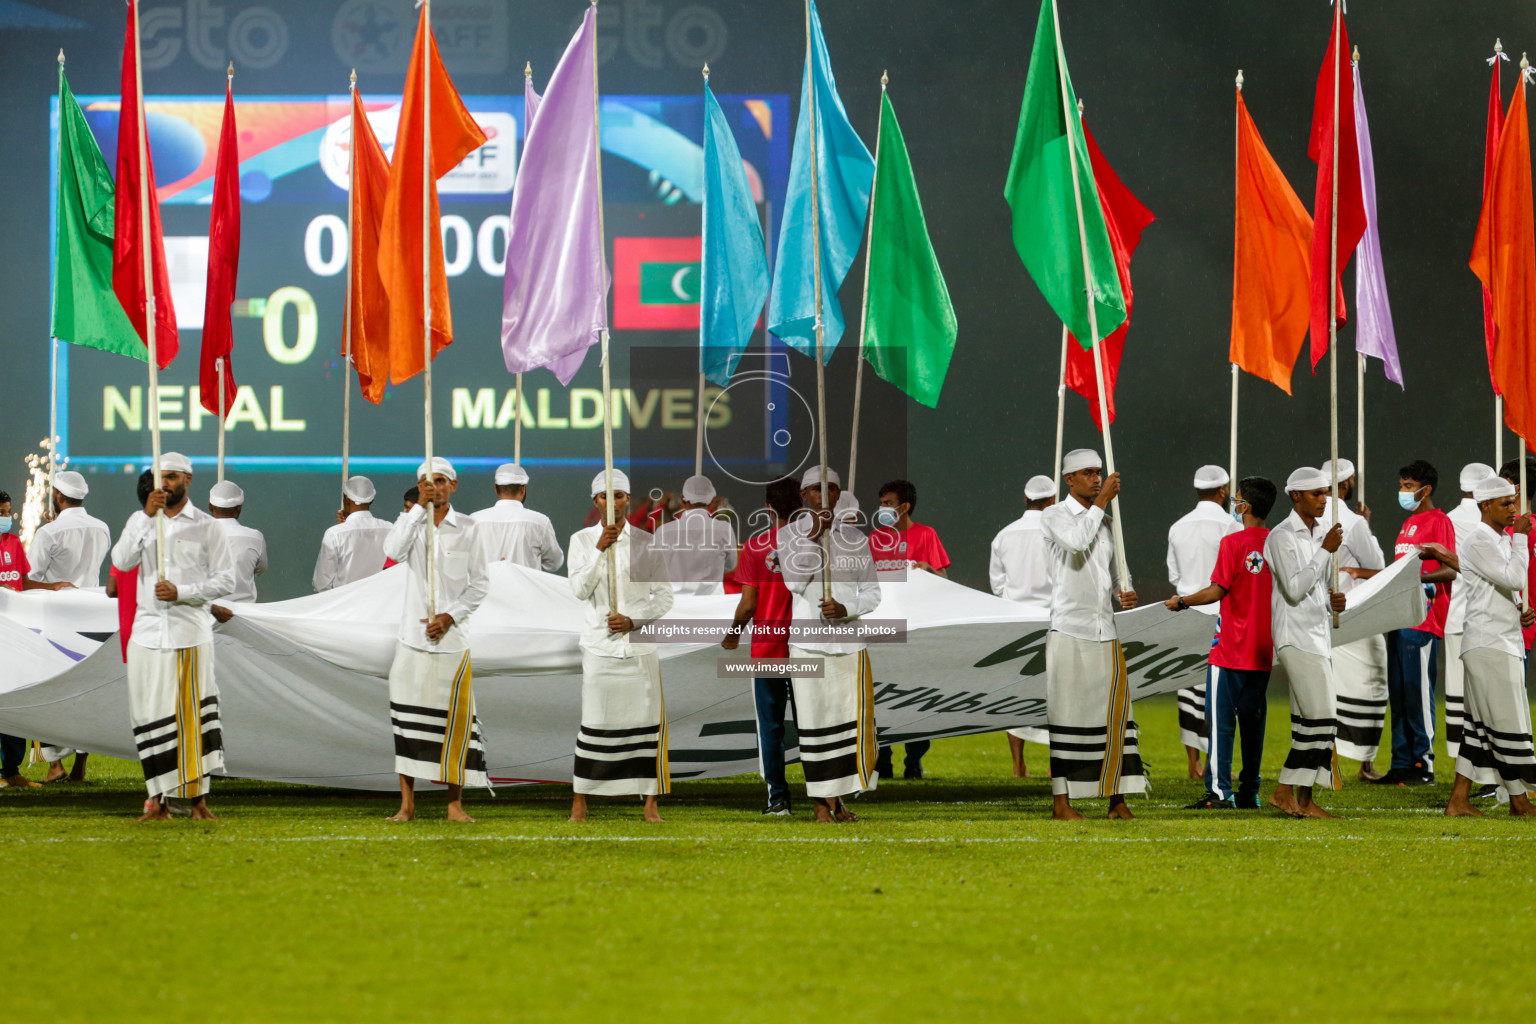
(1271, 262)
(1504, 259)
(454, 136)
(367, 323)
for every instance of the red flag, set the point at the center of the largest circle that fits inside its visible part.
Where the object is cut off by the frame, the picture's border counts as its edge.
(129, 241)
(1504, 259)
(223, 266)
(1490, 155)
(367, 318)
(1126, 218)
(1336, 71)
(454, 136)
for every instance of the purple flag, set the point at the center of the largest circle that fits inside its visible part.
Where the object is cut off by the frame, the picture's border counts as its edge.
(1373, 330)
(556, 295)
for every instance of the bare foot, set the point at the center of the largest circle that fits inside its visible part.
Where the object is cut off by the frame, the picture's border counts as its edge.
(77, 773)
(200, 812)
(403, 814)
(1461, 808)
(1368, 772)
(1284, 798)
(1195, 771)
(19, 782)
(1120, 811)
(1311, 810)
(578, 809)
(56, 771)
(1521, 807)
(154, 810)
(843, 814)
(1061, 810)
(652, 813)
(456, 813)
(824, 812)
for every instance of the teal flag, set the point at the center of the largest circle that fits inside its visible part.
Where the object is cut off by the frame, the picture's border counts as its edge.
(909, 322)
(845, 174)
(735, 271)
(85, 309)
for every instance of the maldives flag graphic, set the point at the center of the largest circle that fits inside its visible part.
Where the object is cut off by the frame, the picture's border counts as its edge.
(656, 283)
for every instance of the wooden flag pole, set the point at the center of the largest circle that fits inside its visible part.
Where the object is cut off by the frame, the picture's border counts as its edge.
(346, 337)
(426, 294)
(1237, 135)
(698, 448)
(869, 246)
(1359, 387)
(597, 140)
(1525, 65)
(220, 365)
(1333, 306)
(150, 333)
(517, 420)
(1061, 408)
(821, 368)
(1498, 399)
(1093, 316)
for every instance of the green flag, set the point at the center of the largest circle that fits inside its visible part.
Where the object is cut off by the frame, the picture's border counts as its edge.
(909, 324)
(85, 309)
(1045, 221)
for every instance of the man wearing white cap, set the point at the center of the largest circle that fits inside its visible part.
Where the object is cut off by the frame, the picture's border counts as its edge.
(431, 692)
(246, 545)
(834, 713)
(173, 702)
(1095, 748)
(1021, 571)
(71, 547)
(1464, 518)
(699, 549)
(513, 532)
(353, 549)
(1193, 543)
(1496, 746)
(1301, 609)
(1359, 668)
(621, 744)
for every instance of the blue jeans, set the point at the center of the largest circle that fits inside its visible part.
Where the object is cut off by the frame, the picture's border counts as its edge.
(1236, 701)
(13, 750)
(1413, 664)
(772, 696)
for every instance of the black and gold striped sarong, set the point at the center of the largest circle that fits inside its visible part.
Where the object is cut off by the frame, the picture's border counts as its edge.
(173, 707)
(432, 714)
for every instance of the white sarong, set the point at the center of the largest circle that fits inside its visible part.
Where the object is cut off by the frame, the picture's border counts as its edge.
(1360, 689)
(835, 719)
(1455, 694)
(173, 706)
(621, 748)
(1095, 747)
(1496, 746)
(432, 713)
(1314, 720)
(1032, 734)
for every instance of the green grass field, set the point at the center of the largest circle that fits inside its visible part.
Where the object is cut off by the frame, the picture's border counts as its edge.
(954, 898)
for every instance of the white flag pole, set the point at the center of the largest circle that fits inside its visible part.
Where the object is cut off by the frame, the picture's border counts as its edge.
(1061, 409)
(597, 145)
(1236, 170)
(858, 373)
(1333, 305)
(426, 295)
(150, 333)
(346, 338)
(821, 369)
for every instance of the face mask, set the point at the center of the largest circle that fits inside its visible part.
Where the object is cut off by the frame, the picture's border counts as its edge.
(886, 516)
(1236, 515)
(1408, 499)
(5, 524)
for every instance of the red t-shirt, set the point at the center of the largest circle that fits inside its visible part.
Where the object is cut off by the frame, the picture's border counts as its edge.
(1245, 641)
(127, 603)
(759, 567)
(899, 549)
(1529, 632)
(13, 561)
(1423, 528)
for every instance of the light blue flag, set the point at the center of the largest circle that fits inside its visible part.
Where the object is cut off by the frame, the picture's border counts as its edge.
(847, 174)
(735, 263)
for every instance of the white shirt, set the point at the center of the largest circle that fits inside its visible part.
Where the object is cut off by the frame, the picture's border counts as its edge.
(351, 550)
(1359, 547)
(643, 589)
(1082, 551)
(70, 549)
(854, 584)
(699, 550)
(1493, 569)
(513, 533)
(1464, 519)
(249, 550)
(1021, 565)
(1193, 544)
(1299, 613)
(461, 580)
(197, 561)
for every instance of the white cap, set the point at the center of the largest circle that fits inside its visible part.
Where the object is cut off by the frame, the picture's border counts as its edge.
(812, 478)
(510, 474)
(440, 465)
(1474, 473)
(71, 484)
(1208, 478)
(1038, 487)
(1080, 459)
(226, 494)
(360, 489)
(697, 490)
(1491, 487)
(1346, 470)
(600, 482)
(175, 462)
(1306, 479)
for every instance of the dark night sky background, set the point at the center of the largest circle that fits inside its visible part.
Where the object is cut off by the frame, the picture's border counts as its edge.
(1156, 78)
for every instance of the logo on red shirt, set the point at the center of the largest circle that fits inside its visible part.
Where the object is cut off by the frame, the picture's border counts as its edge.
(1254, 563)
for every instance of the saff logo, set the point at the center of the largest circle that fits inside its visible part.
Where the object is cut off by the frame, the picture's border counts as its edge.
(1254, 563)
(1413, 529)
